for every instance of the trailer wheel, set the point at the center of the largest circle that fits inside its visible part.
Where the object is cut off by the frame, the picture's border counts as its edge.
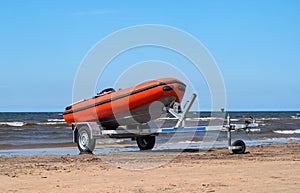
(145, 142)
(242, 146)
(84, 140)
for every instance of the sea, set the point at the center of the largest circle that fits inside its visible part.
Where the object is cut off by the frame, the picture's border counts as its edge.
(35, 133)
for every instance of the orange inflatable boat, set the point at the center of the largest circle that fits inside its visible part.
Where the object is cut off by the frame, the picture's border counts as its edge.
(137, 104)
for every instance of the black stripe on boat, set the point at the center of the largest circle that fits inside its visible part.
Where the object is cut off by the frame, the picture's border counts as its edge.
(122, 96)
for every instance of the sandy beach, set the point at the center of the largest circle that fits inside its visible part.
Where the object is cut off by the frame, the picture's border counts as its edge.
(267, 168)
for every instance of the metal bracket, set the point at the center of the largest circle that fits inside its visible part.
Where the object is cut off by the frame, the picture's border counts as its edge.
(181, 116)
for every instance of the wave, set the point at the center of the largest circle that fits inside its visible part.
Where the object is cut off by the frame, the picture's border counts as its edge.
(167, 118)
(235, 119)
(55, 120)
(287, 131)
(28, 124)
(279, 139)
(294, 117)
(194, 118)
(112, 141)
(189, 142)
(18, 129)
(52, 123)
(12, 124)
(204, 118)
(269, 119)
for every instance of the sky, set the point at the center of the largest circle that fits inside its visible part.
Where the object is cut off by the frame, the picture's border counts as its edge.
(256, 45)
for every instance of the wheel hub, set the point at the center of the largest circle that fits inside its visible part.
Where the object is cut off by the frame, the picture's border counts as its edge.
(84, 139)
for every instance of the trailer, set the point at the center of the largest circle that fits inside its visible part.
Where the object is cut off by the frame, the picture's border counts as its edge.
(85, 134)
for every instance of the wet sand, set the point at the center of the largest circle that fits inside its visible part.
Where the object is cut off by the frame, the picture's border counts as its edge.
(267, 168)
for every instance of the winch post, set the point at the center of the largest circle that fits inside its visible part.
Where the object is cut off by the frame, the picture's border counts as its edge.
(181, 117)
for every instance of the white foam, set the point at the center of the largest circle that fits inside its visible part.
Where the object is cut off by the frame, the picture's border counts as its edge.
(189, 142)
(196, 118)
(254, 130)
(52, 123)
(264, 124)
(269, 119)
(295, 117)
(167, 118)
(204, 118)
(287, 131)
(55, 120)
(111, 141)
(18, 129)
(13, 124)
(234, 119)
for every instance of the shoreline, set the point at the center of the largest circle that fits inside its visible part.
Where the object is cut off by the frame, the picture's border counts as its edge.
(264, 168)
(71, 148)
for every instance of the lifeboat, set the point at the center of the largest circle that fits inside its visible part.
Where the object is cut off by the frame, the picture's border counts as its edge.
(137, 104)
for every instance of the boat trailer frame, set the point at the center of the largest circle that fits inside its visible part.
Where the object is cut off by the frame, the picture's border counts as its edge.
(86, 133)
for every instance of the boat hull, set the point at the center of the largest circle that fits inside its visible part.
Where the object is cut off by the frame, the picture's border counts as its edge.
(138, 104)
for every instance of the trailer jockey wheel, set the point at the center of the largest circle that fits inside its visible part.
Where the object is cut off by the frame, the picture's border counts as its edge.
(145, 142)
(241, 145)
(84, 140)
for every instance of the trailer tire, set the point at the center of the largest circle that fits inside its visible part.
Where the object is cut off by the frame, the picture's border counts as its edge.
(84, 140)
(241, 144)
(145, 142)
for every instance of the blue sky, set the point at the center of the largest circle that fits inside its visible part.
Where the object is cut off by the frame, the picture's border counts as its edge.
(256, 45)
